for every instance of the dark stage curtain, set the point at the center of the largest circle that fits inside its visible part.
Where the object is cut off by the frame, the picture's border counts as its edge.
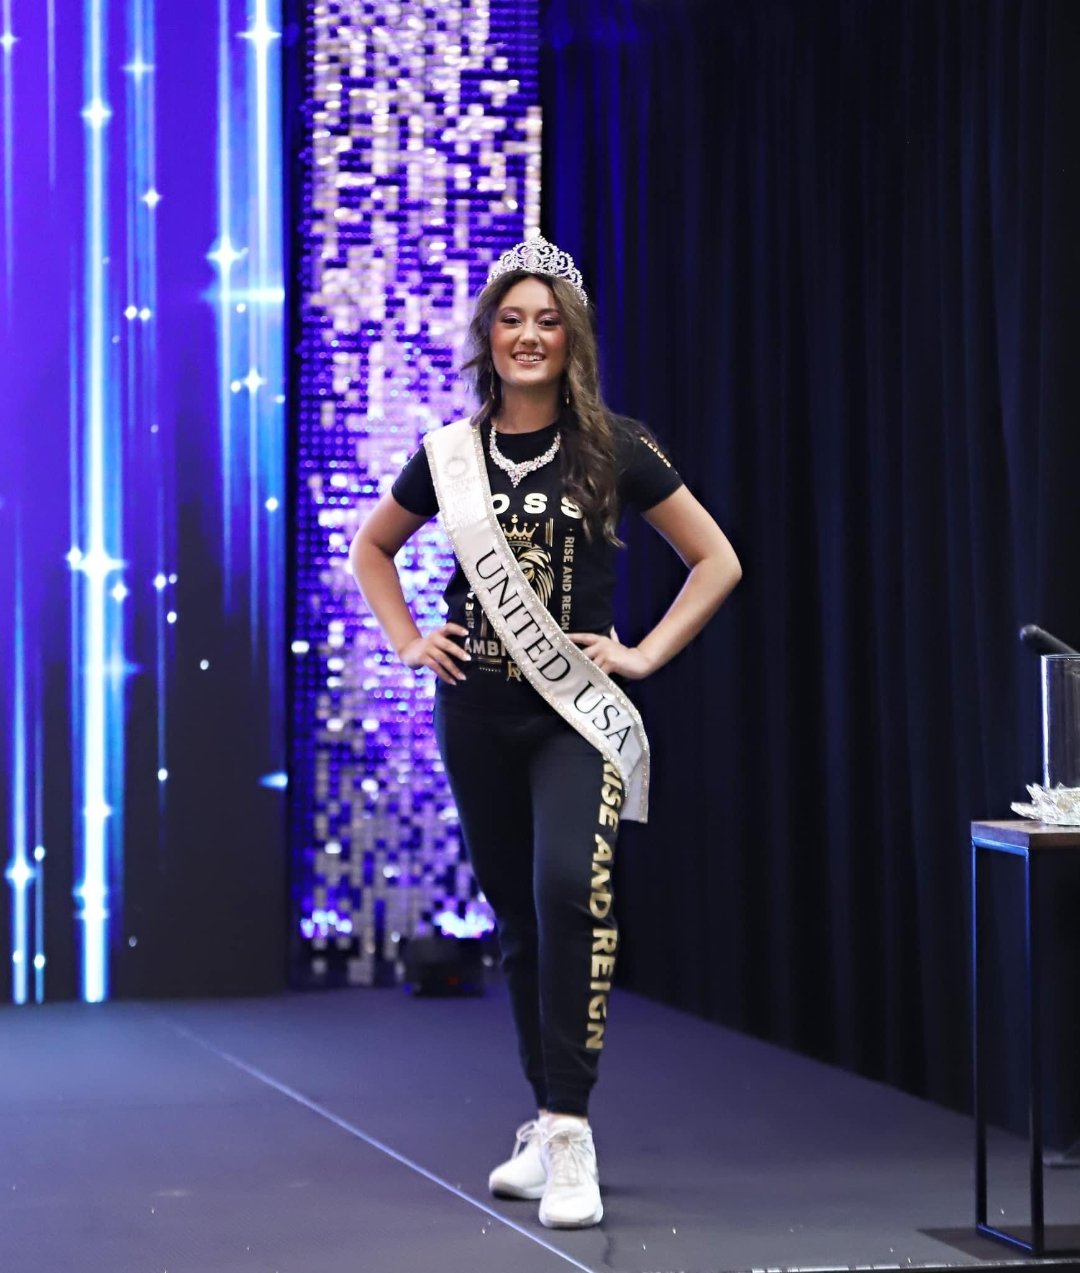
(833, 253)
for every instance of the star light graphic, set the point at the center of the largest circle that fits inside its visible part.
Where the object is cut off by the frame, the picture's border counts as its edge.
(97, 113)
(151, 199)
(117, 670)
(261, 33)
(20, 873)
(8, 41)
(225, 255)
(253, 381)
(138, 68)
(96, 564)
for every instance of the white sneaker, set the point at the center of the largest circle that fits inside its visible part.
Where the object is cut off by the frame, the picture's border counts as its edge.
(572, 1195)
(522, 1175)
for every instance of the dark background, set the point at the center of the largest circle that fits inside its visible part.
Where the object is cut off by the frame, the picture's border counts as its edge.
(833, 252)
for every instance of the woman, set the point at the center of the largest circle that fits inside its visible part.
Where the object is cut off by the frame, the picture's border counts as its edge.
(543, 752)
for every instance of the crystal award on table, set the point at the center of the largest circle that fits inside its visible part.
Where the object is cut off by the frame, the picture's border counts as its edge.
(1057, 801)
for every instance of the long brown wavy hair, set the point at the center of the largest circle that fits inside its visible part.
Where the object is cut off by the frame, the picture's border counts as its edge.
(587, 454)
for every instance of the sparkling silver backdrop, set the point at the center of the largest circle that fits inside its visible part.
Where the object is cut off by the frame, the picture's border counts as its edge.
(422, 165)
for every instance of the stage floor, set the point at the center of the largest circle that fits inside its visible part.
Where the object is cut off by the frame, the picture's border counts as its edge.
(353, 1130)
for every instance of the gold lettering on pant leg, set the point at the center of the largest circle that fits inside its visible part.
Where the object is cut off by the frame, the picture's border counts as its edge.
(611, 797)
(604, 940)
(600, 897)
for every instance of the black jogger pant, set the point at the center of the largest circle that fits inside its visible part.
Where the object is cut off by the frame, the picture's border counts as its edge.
(539, 810)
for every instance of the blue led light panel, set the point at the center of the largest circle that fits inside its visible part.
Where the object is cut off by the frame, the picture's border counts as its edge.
(141, 495)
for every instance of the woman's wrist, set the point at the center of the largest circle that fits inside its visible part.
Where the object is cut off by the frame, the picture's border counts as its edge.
(402, 646)
(651, 660)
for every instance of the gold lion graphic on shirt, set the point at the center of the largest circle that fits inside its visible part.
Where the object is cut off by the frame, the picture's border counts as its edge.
(534, 560)
(535, 563)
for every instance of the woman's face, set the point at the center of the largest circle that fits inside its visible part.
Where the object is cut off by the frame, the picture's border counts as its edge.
(528, 339)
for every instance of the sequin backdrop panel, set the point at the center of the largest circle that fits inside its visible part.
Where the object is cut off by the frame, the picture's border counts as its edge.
(422, 165)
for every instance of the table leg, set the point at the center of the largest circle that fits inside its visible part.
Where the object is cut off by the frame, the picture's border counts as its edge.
(1032, 875)
(978, 1029)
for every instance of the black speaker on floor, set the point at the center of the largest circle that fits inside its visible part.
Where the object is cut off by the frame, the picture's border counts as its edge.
(439, 965)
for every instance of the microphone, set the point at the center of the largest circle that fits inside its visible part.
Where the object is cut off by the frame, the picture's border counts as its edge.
(1042, 642)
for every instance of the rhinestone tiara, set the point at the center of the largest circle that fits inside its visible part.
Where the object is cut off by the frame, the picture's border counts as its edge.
(537, 256)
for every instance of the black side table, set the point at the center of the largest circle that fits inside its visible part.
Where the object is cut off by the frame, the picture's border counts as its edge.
(1034, 842)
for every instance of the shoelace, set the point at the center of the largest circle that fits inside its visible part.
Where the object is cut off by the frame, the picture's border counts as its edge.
(571, 1158)
(524, 1135)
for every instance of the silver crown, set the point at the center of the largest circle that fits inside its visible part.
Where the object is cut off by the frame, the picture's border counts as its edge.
(537, 256)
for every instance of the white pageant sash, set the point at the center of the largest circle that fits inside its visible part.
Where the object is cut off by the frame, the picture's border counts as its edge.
(554, 666)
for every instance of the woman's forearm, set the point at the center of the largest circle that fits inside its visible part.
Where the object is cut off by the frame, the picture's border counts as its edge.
(376, 573)
(707, 585)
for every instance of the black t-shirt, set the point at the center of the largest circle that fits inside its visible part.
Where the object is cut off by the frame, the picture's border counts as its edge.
(572, 574)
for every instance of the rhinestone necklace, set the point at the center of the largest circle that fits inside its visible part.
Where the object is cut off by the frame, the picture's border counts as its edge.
(515, 472)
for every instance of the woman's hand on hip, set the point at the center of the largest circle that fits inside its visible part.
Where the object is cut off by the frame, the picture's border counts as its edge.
(439, 652)
(611, 656)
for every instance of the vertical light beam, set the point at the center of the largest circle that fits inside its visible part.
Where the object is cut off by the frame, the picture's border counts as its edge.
(96, 563)
(225, 256)
(7, 44)
(39, 850)
(263, 281)
(266, 318)
(20, 874)
(50, 18)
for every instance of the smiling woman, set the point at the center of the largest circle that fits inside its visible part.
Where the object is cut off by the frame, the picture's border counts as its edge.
(528, 340)
(543, 750)
(541, 318)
